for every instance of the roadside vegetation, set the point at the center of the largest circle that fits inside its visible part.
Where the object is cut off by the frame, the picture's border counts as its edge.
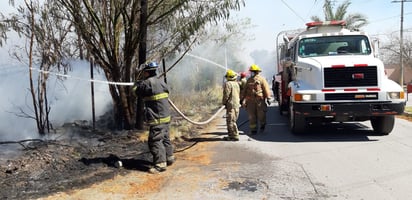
(407, 114)
(198, 106)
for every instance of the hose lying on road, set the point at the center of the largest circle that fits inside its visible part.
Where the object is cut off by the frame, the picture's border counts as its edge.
(193, 122)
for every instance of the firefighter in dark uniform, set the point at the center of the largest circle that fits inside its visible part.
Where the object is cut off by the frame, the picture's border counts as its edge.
(155, 95)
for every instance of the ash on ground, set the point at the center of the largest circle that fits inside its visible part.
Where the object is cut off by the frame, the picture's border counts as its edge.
(75, 156)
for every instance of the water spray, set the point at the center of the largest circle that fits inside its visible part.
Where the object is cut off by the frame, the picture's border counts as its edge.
(206, 60)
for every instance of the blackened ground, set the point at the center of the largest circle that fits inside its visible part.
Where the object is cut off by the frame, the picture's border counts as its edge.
(77, 159)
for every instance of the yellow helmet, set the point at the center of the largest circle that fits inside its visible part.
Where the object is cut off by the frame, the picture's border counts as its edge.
(231, 75)
(254, 67)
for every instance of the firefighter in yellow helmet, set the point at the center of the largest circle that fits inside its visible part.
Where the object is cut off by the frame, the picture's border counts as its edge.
(254, 97)
(231, 94)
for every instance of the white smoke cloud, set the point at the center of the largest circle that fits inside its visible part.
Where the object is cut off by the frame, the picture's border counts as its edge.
(69, 99)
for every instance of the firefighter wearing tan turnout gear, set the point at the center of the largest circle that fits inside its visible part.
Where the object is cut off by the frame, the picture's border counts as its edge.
(254, 97)
(231, 94)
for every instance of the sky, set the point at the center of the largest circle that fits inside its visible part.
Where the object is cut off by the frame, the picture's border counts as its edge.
(272, 16)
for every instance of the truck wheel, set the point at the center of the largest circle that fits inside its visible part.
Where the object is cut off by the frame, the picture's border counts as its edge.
(383, 125)
(297, 124)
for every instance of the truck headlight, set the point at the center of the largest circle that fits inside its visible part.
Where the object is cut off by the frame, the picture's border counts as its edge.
(305, 97)
(396, 95)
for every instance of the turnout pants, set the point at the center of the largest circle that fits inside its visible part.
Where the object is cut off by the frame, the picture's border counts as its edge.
(159, 143)
(232, 115)
(256, 110)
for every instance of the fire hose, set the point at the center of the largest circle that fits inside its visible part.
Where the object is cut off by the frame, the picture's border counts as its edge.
(204, 122)
(193, 122)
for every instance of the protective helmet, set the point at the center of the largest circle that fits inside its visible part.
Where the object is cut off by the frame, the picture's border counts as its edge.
(151, 66)
(242, 74)
(254, 67)
(230, 75)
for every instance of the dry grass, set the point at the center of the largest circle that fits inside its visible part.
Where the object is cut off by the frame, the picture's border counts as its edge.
(408, 109)
(198, 106)
(407, 114)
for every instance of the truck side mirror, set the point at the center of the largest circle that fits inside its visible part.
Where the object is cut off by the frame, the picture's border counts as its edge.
(375, 47)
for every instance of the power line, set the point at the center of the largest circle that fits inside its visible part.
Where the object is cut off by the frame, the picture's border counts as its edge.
(387, 18)
(290, 8)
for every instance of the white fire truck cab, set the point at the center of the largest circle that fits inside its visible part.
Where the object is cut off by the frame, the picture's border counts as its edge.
(331, 74)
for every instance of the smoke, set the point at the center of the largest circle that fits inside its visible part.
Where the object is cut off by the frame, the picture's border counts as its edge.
(266, 61)
(69, 99)
(206, 64)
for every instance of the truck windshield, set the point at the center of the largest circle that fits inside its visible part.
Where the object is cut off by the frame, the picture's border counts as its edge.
(334, 45)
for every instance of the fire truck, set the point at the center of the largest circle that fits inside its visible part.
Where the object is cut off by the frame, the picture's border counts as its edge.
(330, 74)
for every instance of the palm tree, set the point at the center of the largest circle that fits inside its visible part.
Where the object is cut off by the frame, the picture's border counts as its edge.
(353, 21)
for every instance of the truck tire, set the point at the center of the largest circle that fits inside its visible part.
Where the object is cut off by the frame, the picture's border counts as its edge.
(297, 123)
(383, 125)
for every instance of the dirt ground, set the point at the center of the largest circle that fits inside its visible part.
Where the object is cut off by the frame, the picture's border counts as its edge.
(76, 158)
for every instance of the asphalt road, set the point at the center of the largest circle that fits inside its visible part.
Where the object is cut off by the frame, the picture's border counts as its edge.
(341, 161)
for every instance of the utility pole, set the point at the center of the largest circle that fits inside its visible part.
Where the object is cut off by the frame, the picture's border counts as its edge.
(401, 39)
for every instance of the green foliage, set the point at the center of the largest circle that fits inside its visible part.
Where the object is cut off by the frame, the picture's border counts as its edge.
(112, 31)
(113, 34)
(353, 21)
(188, 20)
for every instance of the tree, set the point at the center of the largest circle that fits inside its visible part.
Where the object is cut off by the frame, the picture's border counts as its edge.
(390, 51)
(353, 21)
(47, 35)
(204, 68)
(6, 23)
(114, 34)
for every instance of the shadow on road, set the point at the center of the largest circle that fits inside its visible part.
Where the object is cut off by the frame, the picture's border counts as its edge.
(277, 130)
(211, 137)
(110, 161)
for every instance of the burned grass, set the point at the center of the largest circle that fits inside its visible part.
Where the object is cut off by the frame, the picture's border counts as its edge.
(78, 157)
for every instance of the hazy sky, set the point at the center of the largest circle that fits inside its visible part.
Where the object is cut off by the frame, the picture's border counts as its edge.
(273, 16)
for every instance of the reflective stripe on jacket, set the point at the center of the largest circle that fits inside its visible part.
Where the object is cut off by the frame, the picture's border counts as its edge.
(156, 97)
(155, 94)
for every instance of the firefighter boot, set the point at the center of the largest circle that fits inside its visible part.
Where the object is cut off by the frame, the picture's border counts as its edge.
(159, 167)
(170, 160)
(231, 138)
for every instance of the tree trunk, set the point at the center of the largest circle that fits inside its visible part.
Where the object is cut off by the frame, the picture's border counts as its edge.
(142, 58)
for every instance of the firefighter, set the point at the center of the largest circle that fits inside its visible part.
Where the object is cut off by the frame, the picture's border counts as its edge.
(275, 88)
(155, 94)
(254, 97)
(242, 81)
(231, 99)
